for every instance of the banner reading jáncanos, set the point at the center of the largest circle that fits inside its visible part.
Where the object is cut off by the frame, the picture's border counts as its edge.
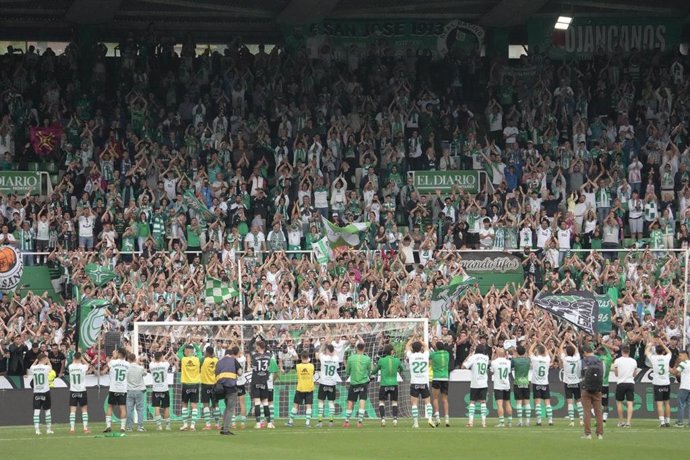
(492, 269)
(586, 34)
(20, 182)
(439, 36)
(446, 181)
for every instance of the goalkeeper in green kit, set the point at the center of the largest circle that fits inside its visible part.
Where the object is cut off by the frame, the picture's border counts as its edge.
(358, 367)
(389, 366)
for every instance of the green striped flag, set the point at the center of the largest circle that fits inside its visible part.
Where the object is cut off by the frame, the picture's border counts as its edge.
(322, 251)
(343, 236)
(443, 296)
(100, 275)
(198, 206)
(218, 291)
(91, 318)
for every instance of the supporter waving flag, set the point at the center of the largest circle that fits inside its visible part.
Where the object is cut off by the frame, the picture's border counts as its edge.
(580, 308)
(198, 207)
(90, 318)
(100, 275)
(218, 291)
(444, 295)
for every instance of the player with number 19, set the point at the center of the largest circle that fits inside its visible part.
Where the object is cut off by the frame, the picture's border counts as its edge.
(418, 358)
(118, 389)
(77, 392)
(160, 397)
(39, 373)
(478, 363)
(328, 379)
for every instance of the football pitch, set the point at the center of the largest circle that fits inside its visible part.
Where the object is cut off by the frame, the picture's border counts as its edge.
(643, 440)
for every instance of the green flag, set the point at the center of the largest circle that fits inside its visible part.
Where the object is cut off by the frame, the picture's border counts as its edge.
(343, 236)
(91, 318)
(198, 207)
(443, 296)
(100, 275)
(322, 251)
(217, 291)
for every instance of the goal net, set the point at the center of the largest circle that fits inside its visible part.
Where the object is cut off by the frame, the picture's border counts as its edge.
(285, 340)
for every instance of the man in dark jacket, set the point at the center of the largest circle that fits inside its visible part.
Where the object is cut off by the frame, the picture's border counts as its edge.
(16, 353)
(228, 369)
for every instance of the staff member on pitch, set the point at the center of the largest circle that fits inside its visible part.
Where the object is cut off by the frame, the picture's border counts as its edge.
(228, 369)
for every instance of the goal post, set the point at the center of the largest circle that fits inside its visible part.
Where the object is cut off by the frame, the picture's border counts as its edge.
(284, 339)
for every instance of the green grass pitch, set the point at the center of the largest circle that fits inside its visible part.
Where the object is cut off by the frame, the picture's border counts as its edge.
(643, 440)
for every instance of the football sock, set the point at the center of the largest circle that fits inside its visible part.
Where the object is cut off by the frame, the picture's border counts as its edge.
(348, 414)
(580, 410)
(37, 419)
(429, 411)
(331, 410)
(267, 413)
(320, 411)
(549, 413)
(528, 412)
(472, 406)
(571, 412)
(485, 412)
(257, 413)
(108, 421)
(395, 411)
(49, 419)
(85, 419)
(360, 416)
(415, 413)
(72, 420)
(207, 415)
(382, 411)
(519, 412)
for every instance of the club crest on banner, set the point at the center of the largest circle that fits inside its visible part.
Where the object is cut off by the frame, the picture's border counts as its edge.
(11, 268)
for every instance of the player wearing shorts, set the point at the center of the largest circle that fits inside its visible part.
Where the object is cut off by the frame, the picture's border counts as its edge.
(661, 362)
(39, 373)
(77, 392)
(440, 362)
(682, 372)
(603, 354)
(304, 392)
(190, 366)
(209, 402)
(625, 370)
(417, 355)
(358, 367)
(328, 379)
(260, 361)
(478, 363)
(118, 389)
(388, 365)
(540, 361)
(241, 390)
(160, 391)
(500, 370)
(571, 364)
(520, 365)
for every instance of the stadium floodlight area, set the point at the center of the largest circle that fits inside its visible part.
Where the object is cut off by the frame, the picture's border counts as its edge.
(170, 337)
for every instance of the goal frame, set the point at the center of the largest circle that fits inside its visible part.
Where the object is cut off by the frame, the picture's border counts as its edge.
(316, 322)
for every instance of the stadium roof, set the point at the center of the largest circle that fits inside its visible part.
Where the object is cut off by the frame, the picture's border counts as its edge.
(262, 20)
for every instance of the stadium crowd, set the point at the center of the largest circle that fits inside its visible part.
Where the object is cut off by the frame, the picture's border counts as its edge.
(588, 155)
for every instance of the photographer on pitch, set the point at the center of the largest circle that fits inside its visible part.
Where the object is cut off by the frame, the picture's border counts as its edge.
(592, 381)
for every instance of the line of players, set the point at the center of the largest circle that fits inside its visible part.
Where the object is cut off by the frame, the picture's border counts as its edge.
(527, 368)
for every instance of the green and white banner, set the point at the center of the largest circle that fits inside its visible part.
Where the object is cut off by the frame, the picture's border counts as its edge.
(446, 181)
(492, 268)
(343, 236)
(218, 291)
(604, 316)
(587, 34)
(196, 205)
(91, 317)
(322, 251)
(443, 296)
(342, 38)
(20, 182)
(100, 275)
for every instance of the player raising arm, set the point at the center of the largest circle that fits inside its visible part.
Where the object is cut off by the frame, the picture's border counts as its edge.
(328, 379)
(660, 357)
(571, 364)
(304, 393)
(39, 372)
(540, 362)
(478, 363)
(358, 367)
(118, 389)
(440, 361)
(77, 392)
(190, 367)
(417, 354)
(388, 365)
(160, 397)
(500, 368)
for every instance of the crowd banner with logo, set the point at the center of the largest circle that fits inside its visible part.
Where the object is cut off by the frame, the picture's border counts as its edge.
(439, 36)
(443, 296)
(100, 275)
(587, 34)
(45, 140)
(446, 181)
(579, 308)
(91, 317)
(322, 251)
(490, 268)
(604, 316)
(20, 182)
(343, 236)
(11, 268)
